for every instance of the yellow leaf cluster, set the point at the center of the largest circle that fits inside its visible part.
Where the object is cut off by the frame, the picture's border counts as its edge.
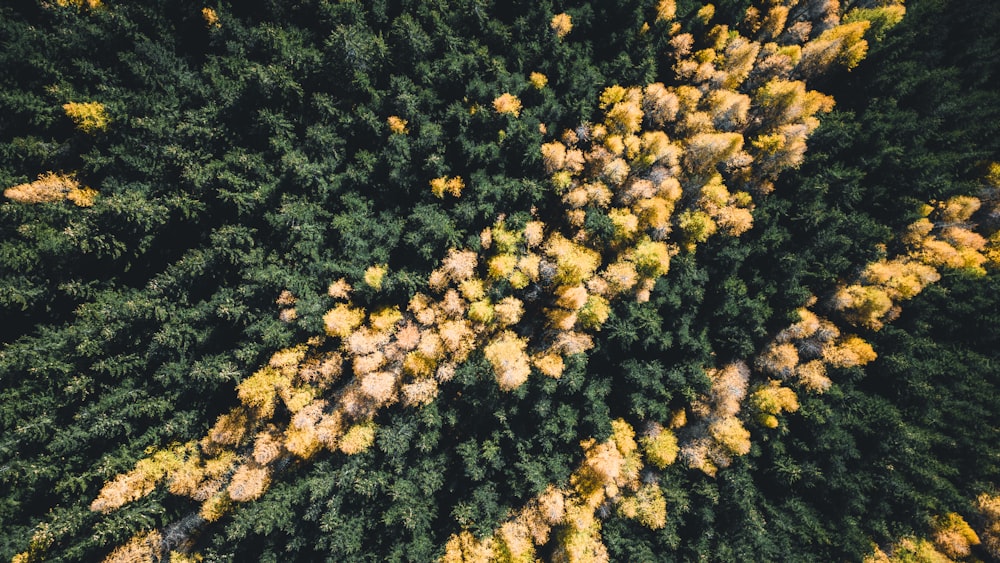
(141, 480)
(771, 400)
(374, 276)
(659, 447)
(249, 482)
(988, 507)
(465, 548)
(506, 353)
(358, 438)
(561, 24)
(538, 80)
(507, 103)
(666, 10)
(143, 547)
(88, 117)
(397, 125)
(51, 188)
(647, 506)
(78, 4)
(211, 18)
(342, 320)
(453, 186)
(954, 537)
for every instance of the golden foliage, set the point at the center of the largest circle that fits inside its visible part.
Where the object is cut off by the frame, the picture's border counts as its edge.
(771, 400)
(267, 447)
(877, 556)
(660, 104)
(807, 326)
(143, 547)
(843, 44)
(257, 392)
(506, 353)
(465, 548)
(706, 13)
(342, 320)
(575, 263)
(51, 188)
(339, 289)
(374, 276)
(365, 340)
(453, 185)
(78, 4)
(550, 365)
(553, 156)
(730, 434)
(625, 224)
(659, 446)
(779, 359)
(211, 18)
(502, 266)
(322, 372)
(647, 507)
(178, 557)
(82, 197)
(358, 438)
(514, 544)
(507, 103)
(141, 481)
(954, 537)
(909, 549)
(989, 509)
(459, 265)
(249, 482)
(849, 352)
(508, 311)
(594, 313)
(302, 441)
(580, 542)
(620, 277)
(397, 125)
(697, 226)
(561, 24)
(481, 311)
(41, 541)
(571, 297)
(538, 80)
(420, 392)
(88, 117)
(288, 359)
(666, 10)
(993, 175)
(716, 434)
(380, 386)
(385, 319)
(608, 473)
(651, 258)
(868, 306)
(458, 338)
(812, 376)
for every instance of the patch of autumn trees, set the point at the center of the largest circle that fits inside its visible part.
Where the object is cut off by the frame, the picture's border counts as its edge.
(952, 538)
(609, 474)
(668, 167)
(666, 170)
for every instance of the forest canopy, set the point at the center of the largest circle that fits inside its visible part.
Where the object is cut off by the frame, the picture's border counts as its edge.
(649, 280)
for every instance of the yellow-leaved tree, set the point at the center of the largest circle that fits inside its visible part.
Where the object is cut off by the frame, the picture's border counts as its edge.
(89, 117)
